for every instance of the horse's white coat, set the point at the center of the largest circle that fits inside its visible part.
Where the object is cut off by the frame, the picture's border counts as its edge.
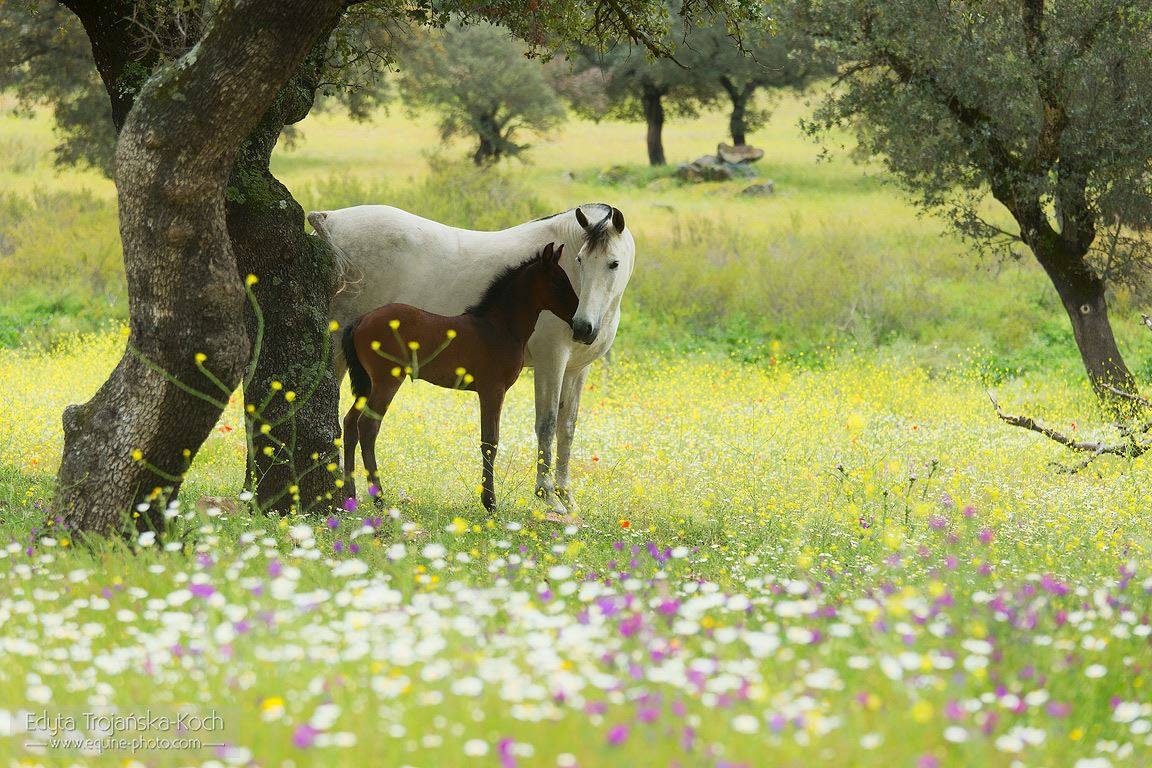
(391, 256)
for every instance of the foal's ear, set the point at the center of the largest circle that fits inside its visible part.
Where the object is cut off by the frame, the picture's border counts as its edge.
(546, 254)
(618, 220)
(581, 219)
(559, 252)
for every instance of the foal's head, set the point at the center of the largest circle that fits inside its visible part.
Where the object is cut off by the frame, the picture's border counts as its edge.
(551, 288)
(525, 290)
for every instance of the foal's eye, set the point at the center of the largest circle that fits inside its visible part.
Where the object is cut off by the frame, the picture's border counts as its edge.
(613, 265)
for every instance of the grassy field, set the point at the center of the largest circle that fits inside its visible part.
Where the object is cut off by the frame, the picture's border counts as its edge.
(807, 539)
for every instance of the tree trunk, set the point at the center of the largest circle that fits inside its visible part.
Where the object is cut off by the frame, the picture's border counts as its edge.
(1062, 253)
(187, 347)
(488, 132)
(652, 100)
(123, 59)
(290, 337)
(737, 119)
(1082, 293)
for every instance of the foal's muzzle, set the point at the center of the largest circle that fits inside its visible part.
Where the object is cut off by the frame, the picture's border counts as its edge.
(583, 331)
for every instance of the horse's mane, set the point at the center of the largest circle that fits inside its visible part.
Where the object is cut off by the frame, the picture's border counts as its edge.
(597, 234)
(503, 280)
(605, 206)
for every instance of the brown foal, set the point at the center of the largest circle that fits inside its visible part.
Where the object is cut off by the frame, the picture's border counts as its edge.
(481, 350)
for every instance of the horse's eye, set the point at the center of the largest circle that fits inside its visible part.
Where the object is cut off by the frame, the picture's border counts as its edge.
(613, 265)
(579, 260)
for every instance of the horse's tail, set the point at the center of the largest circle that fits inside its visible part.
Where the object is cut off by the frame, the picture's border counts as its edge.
(340, 258)
(361, 381)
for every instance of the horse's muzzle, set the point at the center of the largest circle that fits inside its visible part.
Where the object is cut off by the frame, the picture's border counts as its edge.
(583, 331)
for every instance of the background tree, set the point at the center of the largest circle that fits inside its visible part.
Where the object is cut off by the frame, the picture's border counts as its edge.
(763, 59)
(631, 83)
(1043, 105)
(478, 78)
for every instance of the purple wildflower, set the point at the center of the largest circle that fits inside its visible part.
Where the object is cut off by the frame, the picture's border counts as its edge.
(304, 736)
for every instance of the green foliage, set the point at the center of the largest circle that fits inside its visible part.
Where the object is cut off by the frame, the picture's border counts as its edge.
(1045, 106)
(781, 57)
(46, 58)
(482, 85)
(615, 82)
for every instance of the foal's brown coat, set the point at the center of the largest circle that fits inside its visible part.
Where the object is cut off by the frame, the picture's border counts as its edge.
(481, 350)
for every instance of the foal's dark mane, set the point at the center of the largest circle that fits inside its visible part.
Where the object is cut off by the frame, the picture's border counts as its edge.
(500, 285)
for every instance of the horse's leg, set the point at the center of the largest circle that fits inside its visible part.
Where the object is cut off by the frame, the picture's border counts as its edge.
(491, 403)
(351, 437)
(549, 375)
(369, 426)
(566, 430)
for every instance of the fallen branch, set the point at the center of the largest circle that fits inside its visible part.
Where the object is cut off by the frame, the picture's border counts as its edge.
(1129, 449)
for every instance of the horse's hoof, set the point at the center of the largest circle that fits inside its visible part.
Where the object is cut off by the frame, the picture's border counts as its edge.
(564, 496)
(569, 519)
(552, 499)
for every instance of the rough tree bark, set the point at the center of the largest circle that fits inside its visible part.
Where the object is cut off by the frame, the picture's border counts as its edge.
(186, 301)
(652, 102)
(296, 283)
(266, 226)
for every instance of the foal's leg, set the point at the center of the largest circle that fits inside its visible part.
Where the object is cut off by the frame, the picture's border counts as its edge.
(569, 410)
(491, 403)
(351, 437)
(369, 424)
(548, 378)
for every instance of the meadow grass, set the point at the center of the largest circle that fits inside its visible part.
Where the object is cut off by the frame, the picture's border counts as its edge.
(854, 565)
(837, 258)
(806, 540)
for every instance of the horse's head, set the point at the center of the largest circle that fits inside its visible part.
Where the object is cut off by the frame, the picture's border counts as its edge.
(603, 266)
(554, 286)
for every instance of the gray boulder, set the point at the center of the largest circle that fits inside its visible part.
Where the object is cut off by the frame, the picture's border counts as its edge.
(741, 155)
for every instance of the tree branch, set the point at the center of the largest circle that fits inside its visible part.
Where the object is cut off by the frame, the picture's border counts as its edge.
(1129, 449)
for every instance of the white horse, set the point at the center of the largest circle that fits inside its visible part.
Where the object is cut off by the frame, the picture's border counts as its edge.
(388, 255)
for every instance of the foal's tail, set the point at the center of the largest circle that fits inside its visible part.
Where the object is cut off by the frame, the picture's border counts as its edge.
(361, 381)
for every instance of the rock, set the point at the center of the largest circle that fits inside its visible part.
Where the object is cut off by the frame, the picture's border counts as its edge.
(617, 174)
(741, 155)
(760, 190)
(697, 171)
(712, 168)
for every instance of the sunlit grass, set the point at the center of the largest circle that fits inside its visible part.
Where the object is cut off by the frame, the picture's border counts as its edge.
(849, 564)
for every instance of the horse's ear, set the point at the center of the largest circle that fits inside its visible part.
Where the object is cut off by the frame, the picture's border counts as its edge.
(618, 220)
(581, 218)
